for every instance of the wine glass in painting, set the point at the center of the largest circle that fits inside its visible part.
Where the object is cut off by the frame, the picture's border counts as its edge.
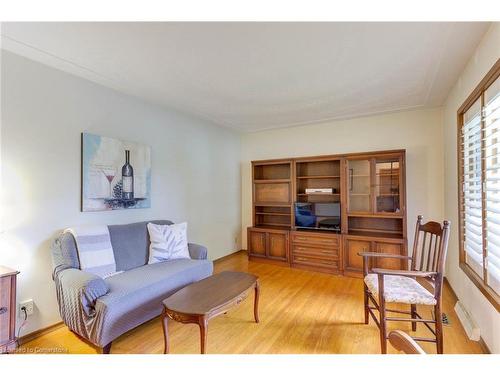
(110, 175)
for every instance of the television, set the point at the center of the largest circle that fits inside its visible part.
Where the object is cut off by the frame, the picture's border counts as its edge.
(322, 216)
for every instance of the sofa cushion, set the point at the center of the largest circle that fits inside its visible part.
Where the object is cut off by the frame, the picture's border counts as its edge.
(135, 296)
(168, 242)
(131, 243)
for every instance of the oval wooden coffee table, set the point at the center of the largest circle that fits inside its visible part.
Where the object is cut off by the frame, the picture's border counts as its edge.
(205, 299)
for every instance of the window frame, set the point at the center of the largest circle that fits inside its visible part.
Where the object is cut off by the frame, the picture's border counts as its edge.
(478, 93)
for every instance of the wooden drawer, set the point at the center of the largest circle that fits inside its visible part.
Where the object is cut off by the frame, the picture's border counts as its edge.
(7, 309)
(5, 313)
(316, 239)
(325, 252)
(313, 261)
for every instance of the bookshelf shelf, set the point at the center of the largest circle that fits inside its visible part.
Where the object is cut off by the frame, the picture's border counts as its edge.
(379, 215)
(316, 177)
(323, 194)
(272, 181)
(272, 213)
(264, 224)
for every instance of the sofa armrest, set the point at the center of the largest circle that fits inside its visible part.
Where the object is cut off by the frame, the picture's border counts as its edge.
(81, 289)
(197, 251)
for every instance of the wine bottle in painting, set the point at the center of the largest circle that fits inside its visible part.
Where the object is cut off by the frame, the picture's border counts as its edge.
(127, 178)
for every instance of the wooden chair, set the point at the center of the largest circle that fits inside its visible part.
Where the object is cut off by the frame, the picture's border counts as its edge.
(404, 343)
(401, 286)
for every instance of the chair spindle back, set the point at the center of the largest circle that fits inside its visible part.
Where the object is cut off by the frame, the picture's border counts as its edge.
(430, 247)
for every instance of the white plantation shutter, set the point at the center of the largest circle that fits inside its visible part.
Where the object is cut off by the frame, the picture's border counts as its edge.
(479, 182)
(491, 154)
(472, 187)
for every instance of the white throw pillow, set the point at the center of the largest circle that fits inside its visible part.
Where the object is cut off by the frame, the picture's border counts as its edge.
(167, 242)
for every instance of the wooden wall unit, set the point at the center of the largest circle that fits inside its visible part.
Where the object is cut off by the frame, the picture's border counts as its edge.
(371, 190)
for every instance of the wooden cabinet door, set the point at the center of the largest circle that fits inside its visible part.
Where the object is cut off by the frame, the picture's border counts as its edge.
(278, 192)
(352, 261)
(387, 186)
(277, 245)
(389, 248)
(257, 243)
(359, 185)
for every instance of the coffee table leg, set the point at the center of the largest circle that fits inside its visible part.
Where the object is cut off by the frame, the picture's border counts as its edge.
(165, 332)
(203, 323)
(256, 302)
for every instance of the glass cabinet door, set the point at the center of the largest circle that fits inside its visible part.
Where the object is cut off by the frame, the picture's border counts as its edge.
(359, 184)
(387, 186)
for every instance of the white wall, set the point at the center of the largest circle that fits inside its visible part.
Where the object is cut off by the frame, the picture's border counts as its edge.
(195, 170)
(419, 132)
(478, 306)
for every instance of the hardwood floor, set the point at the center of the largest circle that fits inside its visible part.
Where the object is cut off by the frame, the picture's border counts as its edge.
(300, 312)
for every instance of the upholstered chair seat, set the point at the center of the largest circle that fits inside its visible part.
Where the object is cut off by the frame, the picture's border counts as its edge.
(400, 289)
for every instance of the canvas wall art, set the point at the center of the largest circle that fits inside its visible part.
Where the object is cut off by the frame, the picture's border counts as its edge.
(115, 174)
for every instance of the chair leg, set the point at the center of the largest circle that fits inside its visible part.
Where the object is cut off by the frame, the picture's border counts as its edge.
(367, 314)
(439, 328)
(413, 316)
(383, 325)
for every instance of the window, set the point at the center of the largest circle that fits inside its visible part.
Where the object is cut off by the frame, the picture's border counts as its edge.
(479, 185)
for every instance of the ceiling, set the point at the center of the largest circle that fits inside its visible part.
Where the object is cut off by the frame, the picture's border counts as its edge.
(256, 76)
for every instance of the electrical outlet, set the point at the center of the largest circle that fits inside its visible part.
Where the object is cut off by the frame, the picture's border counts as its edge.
(29, 305)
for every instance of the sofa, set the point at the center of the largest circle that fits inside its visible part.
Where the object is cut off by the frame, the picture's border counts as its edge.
(100, 310)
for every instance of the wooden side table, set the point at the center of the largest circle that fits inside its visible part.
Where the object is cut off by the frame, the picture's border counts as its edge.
(8, 340)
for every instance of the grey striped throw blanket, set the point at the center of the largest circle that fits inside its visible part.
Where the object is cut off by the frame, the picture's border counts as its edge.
(94, 248)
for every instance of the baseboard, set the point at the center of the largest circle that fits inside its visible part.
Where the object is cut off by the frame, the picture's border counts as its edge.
(218, 260)
(455, 297)
(40, 332)
(481, 342)
(483, 346)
